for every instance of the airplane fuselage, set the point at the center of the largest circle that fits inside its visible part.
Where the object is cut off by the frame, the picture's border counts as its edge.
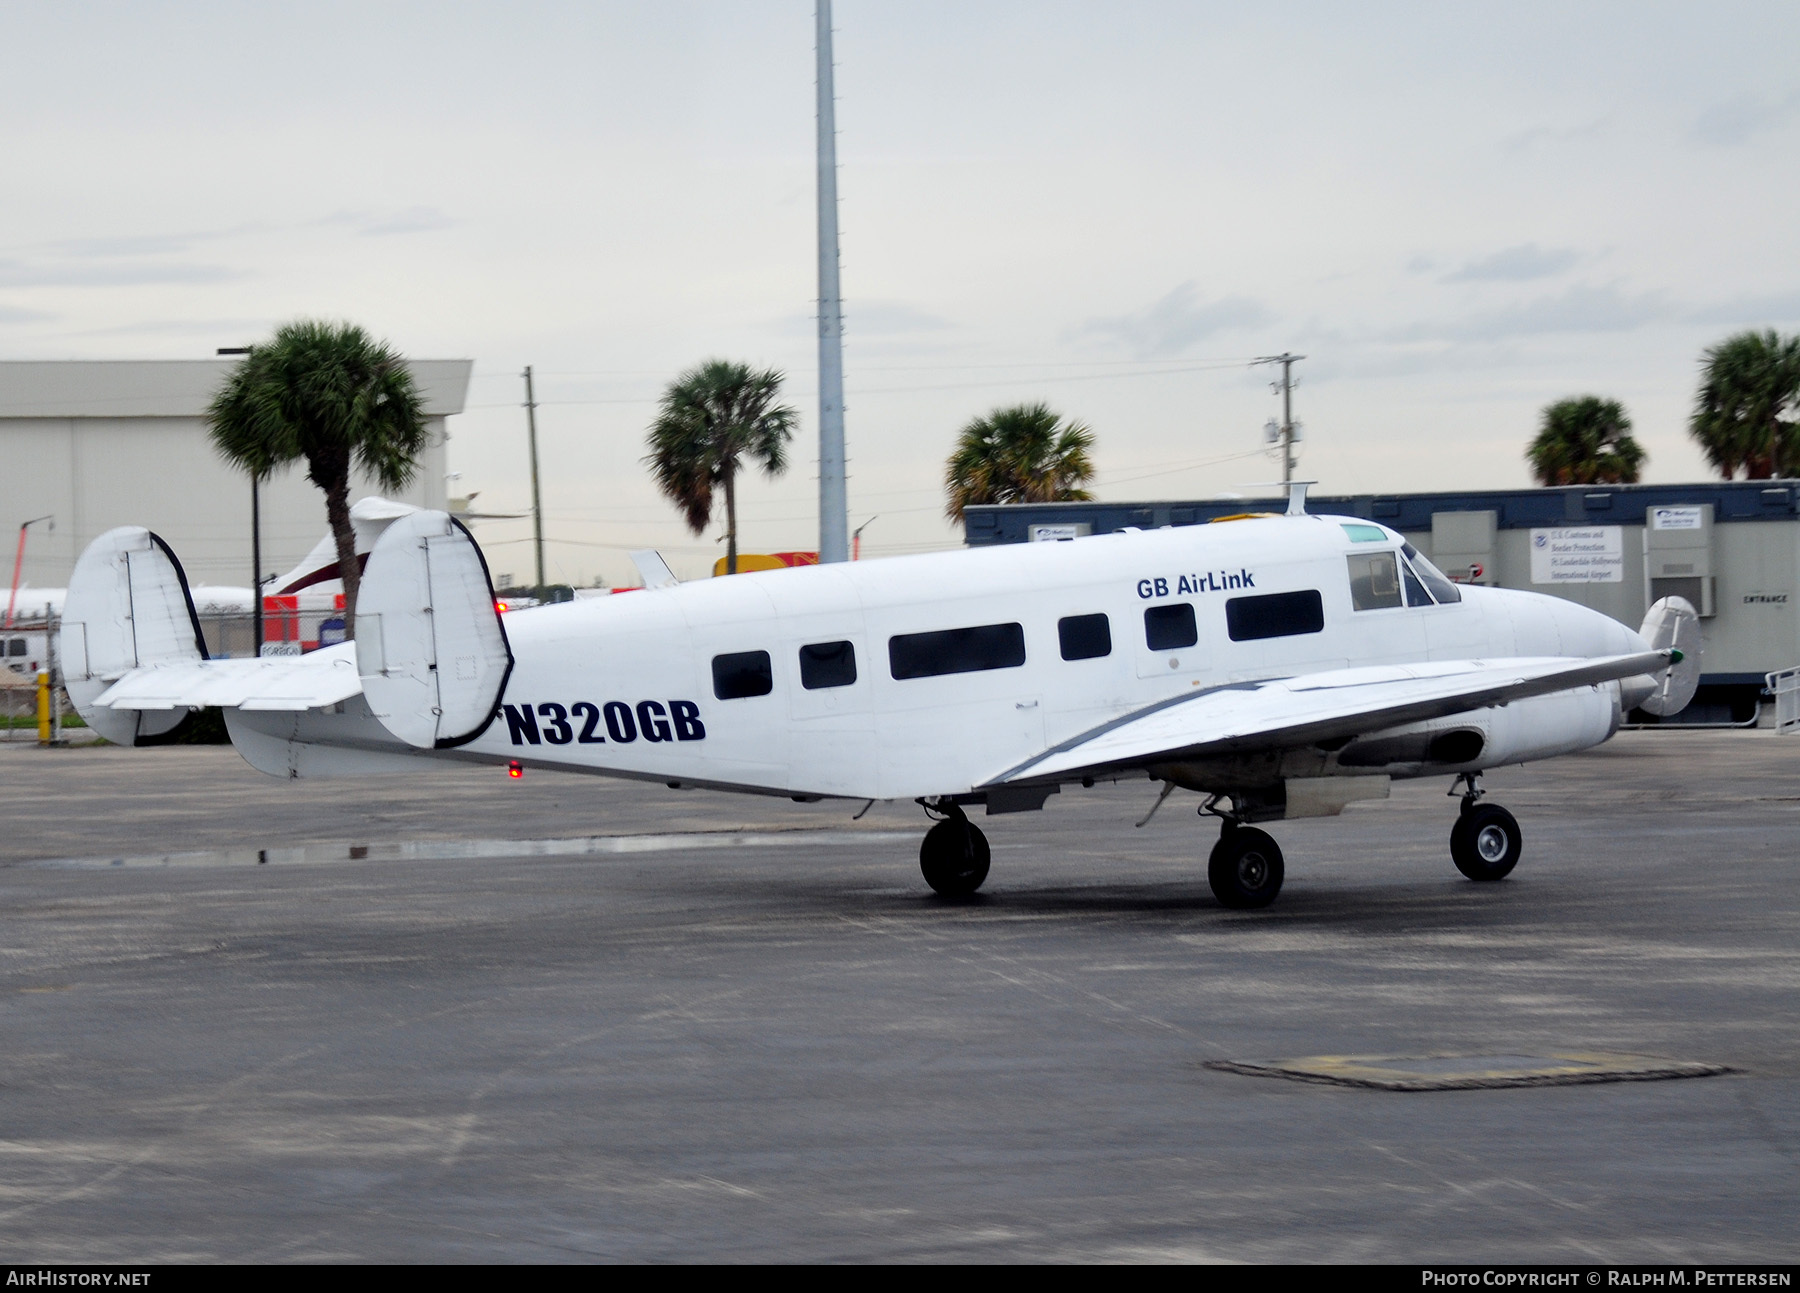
(933, 675)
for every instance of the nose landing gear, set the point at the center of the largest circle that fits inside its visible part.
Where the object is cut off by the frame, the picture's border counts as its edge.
(954, 854)
(1486, 841)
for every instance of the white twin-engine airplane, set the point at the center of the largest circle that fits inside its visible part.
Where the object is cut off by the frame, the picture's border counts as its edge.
(1280, 665)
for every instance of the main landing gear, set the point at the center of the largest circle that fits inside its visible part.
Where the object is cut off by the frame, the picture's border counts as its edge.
(954, 853)
(1245, 869)
(1485, 842)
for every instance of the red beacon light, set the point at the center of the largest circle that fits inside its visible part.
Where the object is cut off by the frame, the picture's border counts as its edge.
(515, 769)
(501, 606)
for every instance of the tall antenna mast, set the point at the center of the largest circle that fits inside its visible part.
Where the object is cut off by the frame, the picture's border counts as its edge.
(537, 504)
(834, 509)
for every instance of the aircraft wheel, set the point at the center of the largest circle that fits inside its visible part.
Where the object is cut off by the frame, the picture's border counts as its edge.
(954, 857)
(1485, 842)
(1246, 869)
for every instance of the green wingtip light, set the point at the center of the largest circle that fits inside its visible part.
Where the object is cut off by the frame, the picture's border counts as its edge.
(1675, 656)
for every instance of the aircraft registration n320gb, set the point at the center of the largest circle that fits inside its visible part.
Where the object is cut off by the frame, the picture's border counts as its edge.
(1278, 665)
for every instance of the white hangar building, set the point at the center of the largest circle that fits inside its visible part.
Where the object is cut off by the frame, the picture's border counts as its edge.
(101, 443)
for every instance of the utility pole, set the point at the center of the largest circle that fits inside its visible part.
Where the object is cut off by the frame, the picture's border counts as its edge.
(1285, 432)
(537, 505)
(834, 508)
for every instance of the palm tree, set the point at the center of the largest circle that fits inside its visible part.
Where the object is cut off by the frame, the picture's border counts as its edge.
(1023, 454)
(1585, 440)
(332, 395)
(712, 416)
(1748, 382)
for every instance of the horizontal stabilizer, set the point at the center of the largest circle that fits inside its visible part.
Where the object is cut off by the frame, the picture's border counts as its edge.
(279, 682)
(1292, 712)
(127, 609)
(1672, 622)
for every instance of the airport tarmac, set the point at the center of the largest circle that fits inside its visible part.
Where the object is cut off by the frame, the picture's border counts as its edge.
(743, 1029)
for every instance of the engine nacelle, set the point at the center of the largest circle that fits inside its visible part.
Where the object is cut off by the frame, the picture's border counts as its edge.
(1539, 728)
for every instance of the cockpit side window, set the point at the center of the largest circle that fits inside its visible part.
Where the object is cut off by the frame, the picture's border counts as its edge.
(1374, 581)
(1434, 579)
(1415, 591)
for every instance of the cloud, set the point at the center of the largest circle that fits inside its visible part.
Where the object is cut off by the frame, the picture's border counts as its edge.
(1515, 265)
(229, 332)
(155, 244)
(382, 224)
(13, 314)
(411, 220)
(1531, 138)
(1727, 124)
(1177, 321)
(1781, 307)
(148, 245)
(1579, 309)
(15, 273)
(888, 318)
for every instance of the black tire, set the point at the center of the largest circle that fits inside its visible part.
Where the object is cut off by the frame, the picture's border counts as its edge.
(1485, 842)
(954, 857)
(1246, 869)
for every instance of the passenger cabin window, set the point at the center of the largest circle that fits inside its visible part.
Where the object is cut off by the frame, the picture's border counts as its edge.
(827, 664)
(1442, 590)
(1374, 581)
(741, 674)
(1275, 615)
(17, 645)
(1084, 637)
(1168, 627)
(926, 655)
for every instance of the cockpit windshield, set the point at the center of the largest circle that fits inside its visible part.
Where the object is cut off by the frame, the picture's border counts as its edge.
(1434, 579)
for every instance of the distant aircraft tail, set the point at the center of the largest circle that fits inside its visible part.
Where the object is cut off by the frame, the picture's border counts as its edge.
(127, 608)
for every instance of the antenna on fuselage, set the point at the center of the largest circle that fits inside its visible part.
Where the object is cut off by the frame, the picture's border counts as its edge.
(1296, 492)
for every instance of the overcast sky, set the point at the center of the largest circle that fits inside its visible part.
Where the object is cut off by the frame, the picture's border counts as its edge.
(1457, 213)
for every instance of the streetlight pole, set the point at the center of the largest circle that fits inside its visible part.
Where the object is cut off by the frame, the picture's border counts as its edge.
(256, 608)
(856, 538)
(256, 602)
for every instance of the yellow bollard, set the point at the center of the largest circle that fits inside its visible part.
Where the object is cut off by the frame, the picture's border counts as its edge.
(43, 707)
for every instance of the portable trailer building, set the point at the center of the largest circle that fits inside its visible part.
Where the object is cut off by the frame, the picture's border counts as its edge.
(1732, 548)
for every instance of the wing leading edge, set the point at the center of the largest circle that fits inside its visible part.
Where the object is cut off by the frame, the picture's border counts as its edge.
(1290, 712)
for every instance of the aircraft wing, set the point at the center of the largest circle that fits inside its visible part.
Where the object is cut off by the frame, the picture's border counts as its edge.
(1286, 713)
(279, 682)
